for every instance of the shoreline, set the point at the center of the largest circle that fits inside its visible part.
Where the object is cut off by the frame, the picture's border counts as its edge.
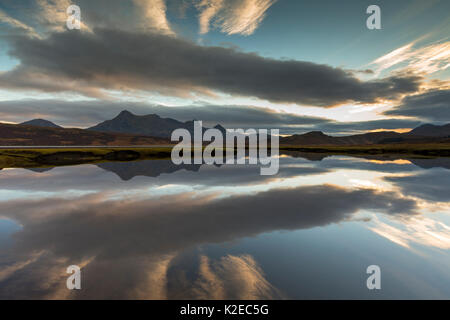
(50, 156)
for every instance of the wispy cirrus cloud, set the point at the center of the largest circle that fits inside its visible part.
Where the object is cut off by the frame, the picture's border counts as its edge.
(426, 59)
(233, 17)
(42, 17)
(17, 24)
(418, 230)
(209, 8)
(231, 277)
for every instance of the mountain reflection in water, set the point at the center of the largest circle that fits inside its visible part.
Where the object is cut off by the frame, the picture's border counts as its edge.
(154, 230)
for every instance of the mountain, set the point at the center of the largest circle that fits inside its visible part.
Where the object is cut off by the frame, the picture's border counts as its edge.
(154, 125)
(130, 129)
(319, 138)
(313, 137)
(149, 125)
(426, 133)
(40, 123)
(25, 135)
(430, 130)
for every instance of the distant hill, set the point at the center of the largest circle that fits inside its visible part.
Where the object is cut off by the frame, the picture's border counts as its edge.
(40, 123)
(430, 130)
(319, 138)
(26, 135)
(427, 133)
(313, 137)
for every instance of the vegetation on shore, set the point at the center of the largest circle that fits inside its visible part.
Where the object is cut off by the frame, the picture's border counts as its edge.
(50, 157)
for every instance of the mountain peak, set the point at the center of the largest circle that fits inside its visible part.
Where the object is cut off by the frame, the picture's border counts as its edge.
(125, 113)
(315, 133)
(40, 123)
(220, 128)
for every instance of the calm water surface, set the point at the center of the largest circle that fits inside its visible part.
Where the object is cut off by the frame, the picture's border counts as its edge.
(153, 230)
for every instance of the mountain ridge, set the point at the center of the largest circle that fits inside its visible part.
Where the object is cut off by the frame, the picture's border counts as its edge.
(154, 125)
(134, 129)
(151, 125)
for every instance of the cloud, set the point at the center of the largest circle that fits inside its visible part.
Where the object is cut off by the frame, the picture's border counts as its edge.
(16, 24)
(427, 59)
(185, 219)
(45, 16)
(244, 17)
(118, 60)
(430, 185)
(52, 13)
(419, 230)
(373, 163)
(153, 14)
(230, 277)
(143, 244)
(209, 9)
(237, 278)
(233, 16)
(392, 58)
(433, 105)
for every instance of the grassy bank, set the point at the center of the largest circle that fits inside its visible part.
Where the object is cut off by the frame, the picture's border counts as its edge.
(51, 157)
(35, 158)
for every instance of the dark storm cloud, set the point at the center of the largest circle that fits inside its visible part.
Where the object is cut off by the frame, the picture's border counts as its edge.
(432, 105)
(112, 59)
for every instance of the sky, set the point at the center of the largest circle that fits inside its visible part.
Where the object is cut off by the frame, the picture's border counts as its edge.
(287, 64)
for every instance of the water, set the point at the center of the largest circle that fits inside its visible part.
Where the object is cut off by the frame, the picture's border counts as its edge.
(153, 230)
